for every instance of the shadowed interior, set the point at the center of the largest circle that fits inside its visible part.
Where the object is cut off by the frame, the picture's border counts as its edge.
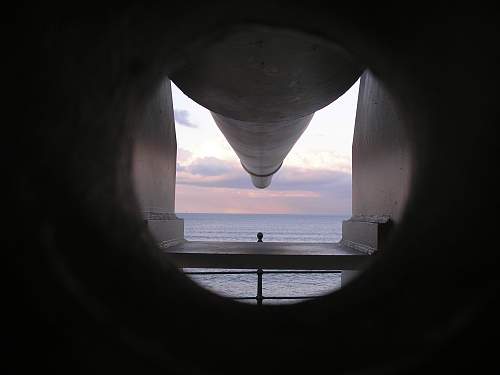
(89, 289)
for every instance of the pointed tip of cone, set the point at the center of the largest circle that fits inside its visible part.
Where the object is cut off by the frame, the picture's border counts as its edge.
(261, 182)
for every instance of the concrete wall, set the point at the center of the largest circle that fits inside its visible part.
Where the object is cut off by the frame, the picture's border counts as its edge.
(154, 162)
(380, 167)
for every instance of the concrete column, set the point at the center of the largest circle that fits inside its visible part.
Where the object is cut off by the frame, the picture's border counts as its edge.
(154, 166)
(380, 168)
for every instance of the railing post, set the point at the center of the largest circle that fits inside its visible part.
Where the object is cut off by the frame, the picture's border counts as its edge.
(259, 297)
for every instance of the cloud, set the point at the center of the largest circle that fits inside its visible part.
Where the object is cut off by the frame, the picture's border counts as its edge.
(227, 200)
(210, 166)
(294, 178)
(181, 117)
(183, 155)
(213, 172)
(214, 185)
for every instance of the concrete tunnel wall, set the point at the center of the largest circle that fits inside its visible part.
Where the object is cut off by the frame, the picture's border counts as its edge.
(87, 290)
(154, 165)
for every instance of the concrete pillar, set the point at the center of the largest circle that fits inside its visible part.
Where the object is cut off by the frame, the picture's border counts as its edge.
(380, 168)
(154, 166)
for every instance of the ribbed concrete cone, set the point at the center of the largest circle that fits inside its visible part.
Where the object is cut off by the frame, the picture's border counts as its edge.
(261, 182)
(261, 147)
(263, 85)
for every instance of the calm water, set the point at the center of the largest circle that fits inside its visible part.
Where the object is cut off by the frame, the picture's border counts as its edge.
(276, 228)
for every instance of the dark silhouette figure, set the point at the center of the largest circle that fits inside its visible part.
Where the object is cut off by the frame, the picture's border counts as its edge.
(259, 237)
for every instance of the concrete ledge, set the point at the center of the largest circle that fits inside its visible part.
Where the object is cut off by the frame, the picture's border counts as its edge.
(167, 232)
(269, 255)
(365, 234)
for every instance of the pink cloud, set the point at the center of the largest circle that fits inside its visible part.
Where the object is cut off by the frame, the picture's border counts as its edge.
(213, 185)
(228, 200)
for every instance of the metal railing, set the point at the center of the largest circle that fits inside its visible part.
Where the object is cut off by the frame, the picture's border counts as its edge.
(260, 272)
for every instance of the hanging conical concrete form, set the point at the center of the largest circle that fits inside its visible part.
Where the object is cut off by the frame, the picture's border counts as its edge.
(263, 86)
(261, 147)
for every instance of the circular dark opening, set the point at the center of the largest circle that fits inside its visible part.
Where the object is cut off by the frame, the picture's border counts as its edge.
(97, 279)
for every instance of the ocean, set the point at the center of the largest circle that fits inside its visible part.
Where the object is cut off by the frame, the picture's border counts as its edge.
(276, 228)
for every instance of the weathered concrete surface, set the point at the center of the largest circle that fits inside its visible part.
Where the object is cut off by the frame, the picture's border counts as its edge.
(381, 154)
(270, 255)
(381, 167)
(264, 74)
(366, 234)
(263, 85)
(154, 164)
(261, 147)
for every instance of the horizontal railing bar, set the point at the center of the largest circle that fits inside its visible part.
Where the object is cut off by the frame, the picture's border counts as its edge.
(273, 297)
(255, 272)
(297, 297)
(222, 273)
(306, 271)
(242, 297)
(259, 272)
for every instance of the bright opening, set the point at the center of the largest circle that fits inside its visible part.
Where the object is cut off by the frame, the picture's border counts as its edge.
(307, 201)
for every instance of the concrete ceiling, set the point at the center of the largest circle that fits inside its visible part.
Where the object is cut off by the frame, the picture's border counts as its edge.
(263, 74)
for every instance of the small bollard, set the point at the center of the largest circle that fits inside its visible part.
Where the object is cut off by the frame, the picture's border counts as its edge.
(259, 237)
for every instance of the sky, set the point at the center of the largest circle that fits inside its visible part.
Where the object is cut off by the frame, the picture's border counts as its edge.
(315, 177)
